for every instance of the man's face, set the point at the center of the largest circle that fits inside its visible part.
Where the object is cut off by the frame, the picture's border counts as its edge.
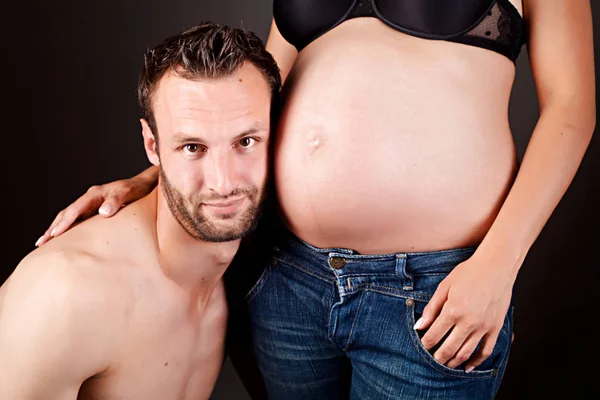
(212, 151)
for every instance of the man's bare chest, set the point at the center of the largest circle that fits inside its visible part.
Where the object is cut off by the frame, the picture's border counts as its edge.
(165, 356)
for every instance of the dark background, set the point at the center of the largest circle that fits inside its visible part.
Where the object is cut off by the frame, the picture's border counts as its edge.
(69, 73)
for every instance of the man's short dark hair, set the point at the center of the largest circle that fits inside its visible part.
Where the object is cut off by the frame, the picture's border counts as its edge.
(205, 51)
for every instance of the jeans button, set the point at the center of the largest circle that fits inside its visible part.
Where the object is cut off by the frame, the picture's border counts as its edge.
(337, 262)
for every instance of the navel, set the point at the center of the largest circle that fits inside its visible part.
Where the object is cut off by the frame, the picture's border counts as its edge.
(315, 142)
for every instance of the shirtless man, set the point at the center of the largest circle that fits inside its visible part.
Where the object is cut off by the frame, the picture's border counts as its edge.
(133, 307)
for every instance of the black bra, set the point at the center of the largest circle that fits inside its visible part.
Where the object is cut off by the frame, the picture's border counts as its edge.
(491, 24)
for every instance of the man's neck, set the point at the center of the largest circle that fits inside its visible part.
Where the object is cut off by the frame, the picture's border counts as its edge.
(193, 264)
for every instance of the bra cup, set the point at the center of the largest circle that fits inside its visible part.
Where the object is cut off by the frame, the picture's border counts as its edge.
(491, 24)
(433, 18)
(300, 21)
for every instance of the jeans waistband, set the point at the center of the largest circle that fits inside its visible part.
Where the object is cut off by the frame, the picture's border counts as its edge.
(346, 262)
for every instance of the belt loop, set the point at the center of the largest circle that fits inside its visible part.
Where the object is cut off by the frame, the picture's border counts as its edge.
(407, 280)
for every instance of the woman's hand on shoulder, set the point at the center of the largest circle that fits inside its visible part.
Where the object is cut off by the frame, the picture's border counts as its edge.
(104, 199)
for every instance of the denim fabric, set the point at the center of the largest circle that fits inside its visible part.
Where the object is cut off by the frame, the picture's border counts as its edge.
(333, 324)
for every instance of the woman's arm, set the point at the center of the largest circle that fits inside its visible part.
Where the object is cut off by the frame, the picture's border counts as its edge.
(105, 199)
(561, 53)
(284, 53)
(474, 298)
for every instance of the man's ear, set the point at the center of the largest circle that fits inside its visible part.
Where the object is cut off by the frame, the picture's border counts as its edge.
(150, 143)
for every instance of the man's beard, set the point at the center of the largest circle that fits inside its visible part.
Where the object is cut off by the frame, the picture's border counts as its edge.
(189, 213)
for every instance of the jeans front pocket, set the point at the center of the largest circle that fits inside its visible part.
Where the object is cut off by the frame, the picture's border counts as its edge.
(488, 368)
(261, 281)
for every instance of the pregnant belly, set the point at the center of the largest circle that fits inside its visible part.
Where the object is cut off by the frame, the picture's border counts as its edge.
(381, 191)
(390, 143)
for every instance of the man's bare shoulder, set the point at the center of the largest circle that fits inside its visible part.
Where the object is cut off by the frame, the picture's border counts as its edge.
(77, 281)
(126, 237)
(63, 312)
(91, 266)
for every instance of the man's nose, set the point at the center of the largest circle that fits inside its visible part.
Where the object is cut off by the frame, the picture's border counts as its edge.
(218, 174)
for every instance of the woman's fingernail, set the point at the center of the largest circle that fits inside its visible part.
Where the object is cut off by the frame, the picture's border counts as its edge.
(105, 209)
(53, 232)
(418, 324)
(470, 369)
(38, 241)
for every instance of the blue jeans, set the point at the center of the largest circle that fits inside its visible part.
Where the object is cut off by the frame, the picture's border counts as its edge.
(333, 324)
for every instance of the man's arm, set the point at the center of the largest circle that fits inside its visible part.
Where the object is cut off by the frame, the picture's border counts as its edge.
(53, 333)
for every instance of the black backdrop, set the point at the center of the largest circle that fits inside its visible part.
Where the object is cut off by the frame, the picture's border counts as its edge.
(69, 112)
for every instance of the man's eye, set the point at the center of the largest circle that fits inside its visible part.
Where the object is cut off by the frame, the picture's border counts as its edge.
(247, 142)
(191, 148)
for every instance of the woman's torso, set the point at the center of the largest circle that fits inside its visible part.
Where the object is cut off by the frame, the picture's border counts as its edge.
(388, 142)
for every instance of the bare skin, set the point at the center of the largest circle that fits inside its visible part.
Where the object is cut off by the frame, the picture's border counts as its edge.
(404, 144)
(134, 306)
(354, 146)
(107, 322)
